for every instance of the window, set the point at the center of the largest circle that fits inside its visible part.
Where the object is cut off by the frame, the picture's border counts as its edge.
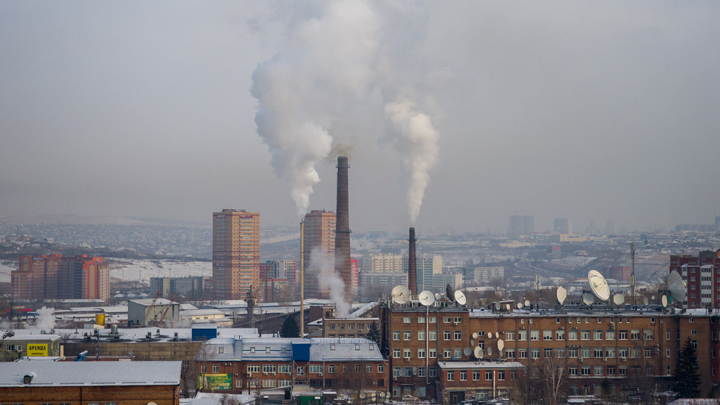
(634, 352)
(610, 335)
(522, 335)
(560, 352)
(585, 352)
(534, 353)
(381, 368)
(693, 332)
(513, 374)
(649, 334)
(270, 368)
(432, 335)
(572, 353)
(421, 319)
(599, 320)
(238, 383)
(572, 335)
(421, 371)
(509, 336)
(396, 353)
(254, 368)
(623, 352)
(446, 335)
(421, 353)
(573, 370)
(446, 319)
(368, 369)
(221, 349)
(501, 375)
(648, 353)
(314, 368)
(406, 320)
(560, 335)
(585, 335)
(357, 368)
(547, 352)
(331, 369)
(406, 354)
(215, 368)
(635, 334)
(284, 368)
(598, 335)
(623, 335)
(463, 375)
(534, 335)
(610, 352)
(432, 319)
(267, 383)
(421, 335)
(585, 370)
(447, 353)
(458, 320)
(667, 353)
(510, 353)
(332, 347)
(433, 372)
(488, 375)
(458, 335)
(598, 370)
(598, 352)
(300, 371)
(476, 375)
(450, 374)
(522, 353)
(458, 353)
(547, 335)
(433, 353)
(407, 335)
(622, 370)
(396, 335)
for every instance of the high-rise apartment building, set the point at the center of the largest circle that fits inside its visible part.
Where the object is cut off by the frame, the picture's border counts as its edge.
(384, 263)
(236, 253)
(319, 236)
(58, 277)
(702, 276)
(563, 225)
(520, 225)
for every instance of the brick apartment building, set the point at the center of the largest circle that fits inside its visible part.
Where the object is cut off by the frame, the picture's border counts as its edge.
(702, 275)
(235, 364)
(591, 346)
(58, 277)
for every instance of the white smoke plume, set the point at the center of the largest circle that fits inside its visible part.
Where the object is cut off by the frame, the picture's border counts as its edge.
(417, 141)
(45, 319)
(328, 279)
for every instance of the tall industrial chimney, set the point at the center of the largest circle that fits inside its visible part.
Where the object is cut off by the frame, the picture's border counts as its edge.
(342, 228)
(412, 266)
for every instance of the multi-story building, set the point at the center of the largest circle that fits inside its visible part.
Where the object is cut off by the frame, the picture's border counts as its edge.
(236, 253)
(485, 274)
(702, 276)
(348, 327)
(58, 277)
(520, 225)
(625, 348)
(563, 225)
(384, 263)
(319, 239)
(188, 287)
(620, 273)
(235, 364)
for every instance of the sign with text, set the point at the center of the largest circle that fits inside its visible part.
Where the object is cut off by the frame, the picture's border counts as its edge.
(37, 350)
(215, 381)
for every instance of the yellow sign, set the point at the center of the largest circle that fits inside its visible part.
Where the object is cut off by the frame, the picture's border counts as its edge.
(37, 350)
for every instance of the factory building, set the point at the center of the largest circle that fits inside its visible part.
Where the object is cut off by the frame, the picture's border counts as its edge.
(69, 382)
(230, 365)
(144, 312)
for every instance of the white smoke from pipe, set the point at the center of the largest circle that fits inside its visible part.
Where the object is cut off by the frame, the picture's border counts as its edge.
(417, 141)
(45, 319)
(329, 279)
(325, 69)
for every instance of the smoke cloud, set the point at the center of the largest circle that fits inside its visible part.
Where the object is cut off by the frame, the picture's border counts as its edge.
(45, 319)
(325, 92)
(418, 143)
(328, 279)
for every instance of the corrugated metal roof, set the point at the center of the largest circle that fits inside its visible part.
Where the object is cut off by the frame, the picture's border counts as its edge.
(105, 373)
(280, 349)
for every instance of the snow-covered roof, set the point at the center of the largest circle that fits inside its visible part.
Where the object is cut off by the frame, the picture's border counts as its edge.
(106, 373)
(472, 365)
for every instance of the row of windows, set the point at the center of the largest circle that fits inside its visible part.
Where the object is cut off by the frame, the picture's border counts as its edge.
(477, 373)
(350, 326)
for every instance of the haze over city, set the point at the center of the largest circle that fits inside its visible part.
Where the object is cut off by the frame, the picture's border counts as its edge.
(590, 111)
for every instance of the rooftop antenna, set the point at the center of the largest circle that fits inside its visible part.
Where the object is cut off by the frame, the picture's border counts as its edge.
(427, 298)
(400, 294)
(632, 275)
(460, 298)
(676, 287)
(599, 285)
(561, 295)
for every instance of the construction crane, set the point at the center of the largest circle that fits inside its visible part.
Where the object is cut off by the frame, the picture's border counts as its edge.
(149, 309)
(162, 318)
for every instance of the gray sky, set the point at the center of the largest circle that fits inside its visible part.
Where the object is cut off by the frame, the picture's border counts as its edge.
(604, 110)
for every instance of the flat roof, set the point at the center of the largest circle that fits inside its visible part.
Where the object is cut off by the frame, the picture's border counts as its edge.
(472, 365)
(81, 373)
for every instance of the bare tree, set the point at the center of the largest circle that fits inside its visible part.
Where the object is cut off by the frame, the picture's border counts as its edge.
(553, 375)
(205, 354)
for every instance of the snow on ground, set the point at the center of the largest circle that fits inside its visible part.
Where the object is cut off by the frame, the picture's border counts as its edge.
(134, 270)
(5, 269)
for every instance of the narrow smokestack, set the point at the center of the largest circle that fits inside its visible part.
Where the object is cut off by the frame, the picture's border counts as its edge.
(342, 228)
(412, 268)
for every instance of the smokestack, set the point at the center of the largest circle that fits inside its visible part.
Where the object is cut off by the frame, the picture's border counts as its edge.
(342, 228)
(412, 267)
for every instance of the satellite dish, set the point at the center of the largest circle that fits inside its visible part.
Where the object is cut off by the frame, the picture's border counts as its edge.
(426, 298)
(527, 303)
(489, 350)
(653, 298)
(472, 343)
(561, 294)
(475, 335)
(489, 334)
(519, 305)
(438, 296)
(477, 352)
(645, 300)
(508, 306)
(599, 285)
(676, 286)
(618, 299)
(449, 293)
(588, 298)
(501, 344)
(414, 370)
(664, 301)
(467, 351)
(400, 294)
(460, 298)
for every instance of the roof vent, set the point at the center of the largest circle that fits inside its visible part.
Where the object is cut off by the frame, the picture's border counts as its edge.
(28, 378)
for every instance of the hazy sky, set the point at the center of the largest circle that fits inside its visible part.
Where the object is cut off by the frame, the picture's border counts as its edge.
(586, 110)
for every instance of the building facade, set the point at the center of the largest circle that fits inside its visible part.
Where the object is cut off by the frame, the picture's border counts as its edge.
(188, 287)
(701, 273)
(58, 277)
(563, 225)
(520, 225)
(236, 253)
(234, 364)
(319, 239)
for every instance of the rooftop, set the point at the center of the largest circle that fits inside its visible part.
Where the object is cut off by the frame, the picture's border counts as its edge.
(70, 373)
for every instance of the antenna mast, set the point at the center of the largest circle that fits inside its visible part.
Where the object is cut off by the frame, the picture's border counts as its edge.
(632, 275)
